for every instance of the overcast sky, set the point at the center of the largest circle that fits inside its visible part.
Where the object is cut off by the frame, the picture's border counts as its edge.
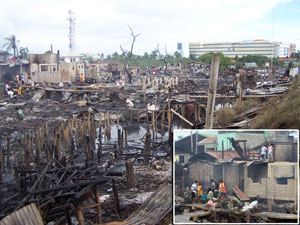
(101, 25)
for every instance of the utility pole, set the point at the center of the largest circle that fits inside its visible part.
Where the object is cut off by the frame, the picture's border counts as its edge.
(212, 91)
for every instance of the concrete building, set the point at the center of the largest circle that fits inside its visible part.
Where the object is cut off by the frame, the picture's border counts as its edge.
(243, 48)
(4, 56)
(282, 49)
(232, 49)
(71, 58)
(47, 68)
(292, 49)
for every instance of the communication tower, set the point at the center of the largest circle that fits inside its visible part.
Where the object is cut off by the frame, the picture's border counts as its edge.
(71, 34)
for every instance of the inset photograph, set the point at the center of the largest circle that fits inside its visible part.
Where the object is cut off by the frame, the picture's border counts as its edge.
(236, 176)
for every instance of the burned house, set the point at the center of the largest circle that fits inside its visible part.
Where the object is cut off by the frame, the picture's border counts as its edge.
(187, 147)
(48, 68)
(239, 164)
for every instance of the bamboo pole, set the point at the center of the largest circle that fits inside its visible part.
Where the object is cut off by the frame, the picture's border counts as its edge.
(181, 117)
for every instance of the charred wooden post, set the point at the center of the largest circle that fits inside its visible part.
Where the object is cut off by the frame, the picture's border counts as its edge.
(47, 134)
(66, 138)
(77, 135)
(119, 141)
(108, 126)
(126, 135)
(97, 197)
(8, 151)
(116, 197)
(15, 157)
(58, 147)
(153, 125)
(147, 144)
(131, 182)
(99, 152)
(80, 215)
(37, 150)
(212, 91)
(89, 124)
(117, 120)
(162, 119)
(1, 165)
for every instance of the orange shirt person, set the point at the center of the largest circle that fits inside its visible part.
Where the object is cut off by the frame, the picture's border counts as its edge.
(222, 188)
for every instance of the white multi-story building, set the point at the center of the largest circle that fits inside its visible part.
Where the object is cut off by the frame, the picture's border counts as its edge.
(282, 49)
(243, 48)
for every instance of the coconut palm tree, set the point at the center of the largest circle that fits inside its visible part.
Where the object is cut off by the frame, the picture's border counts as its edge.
(11, 44)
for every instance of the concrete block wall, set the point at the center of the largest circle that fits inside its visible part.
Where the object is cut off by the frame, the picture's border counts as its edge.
(204, 172)
(282, 191)
(253, 140)
(232, 176)
(254, 189)
(284, 152)
(269, 188)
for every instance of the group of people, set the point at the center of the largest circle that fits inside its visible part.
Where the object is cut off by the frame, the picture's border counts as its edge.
(216, 190)
(20, 78)
(267, 153)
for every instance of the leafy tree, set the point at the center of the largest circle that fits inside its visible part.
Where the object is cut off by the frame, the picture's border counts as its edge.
(177, 55)
(24, 52)
(11, 44)
(224, 61)
(290, 65)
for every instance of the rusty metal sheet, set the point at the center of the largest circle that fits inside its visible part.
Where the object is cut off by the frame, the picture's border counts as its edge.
(28, 215)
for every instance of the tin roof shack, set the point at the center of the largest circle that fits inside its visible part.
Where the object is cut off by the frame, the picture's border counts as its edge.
(226, 169)
(47, 68)
(186, 147)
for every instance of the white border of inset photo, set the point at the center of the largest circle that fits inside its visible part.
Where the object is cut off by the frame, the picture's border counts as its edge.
(179, 134)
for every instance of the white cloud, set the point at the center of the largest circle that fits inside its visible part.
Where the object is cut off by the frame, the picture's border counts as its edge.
(101, 25)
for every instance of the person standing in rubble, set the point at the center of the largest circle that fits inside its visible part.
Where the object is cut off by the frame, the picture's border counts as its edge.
(213, 185)
(194, 191)
(199, 192)
(222, 189)
(270, 152)
(263, 152)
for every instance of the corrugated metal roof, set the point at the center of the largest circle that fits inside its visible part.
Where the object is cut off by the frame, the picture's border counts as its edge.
(227, 154)
(154, 209)
(28, 215)
(209, 140)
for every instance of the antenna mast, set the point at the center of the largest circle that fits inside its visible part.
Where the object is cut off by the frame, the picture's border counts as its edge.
(71, 34)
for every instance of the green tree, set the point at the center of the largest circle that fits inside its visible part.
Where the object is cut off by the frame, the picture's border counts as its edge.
(177, 55)
(24, 52)
(290, 65)
(224, 61)
(11, 44)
